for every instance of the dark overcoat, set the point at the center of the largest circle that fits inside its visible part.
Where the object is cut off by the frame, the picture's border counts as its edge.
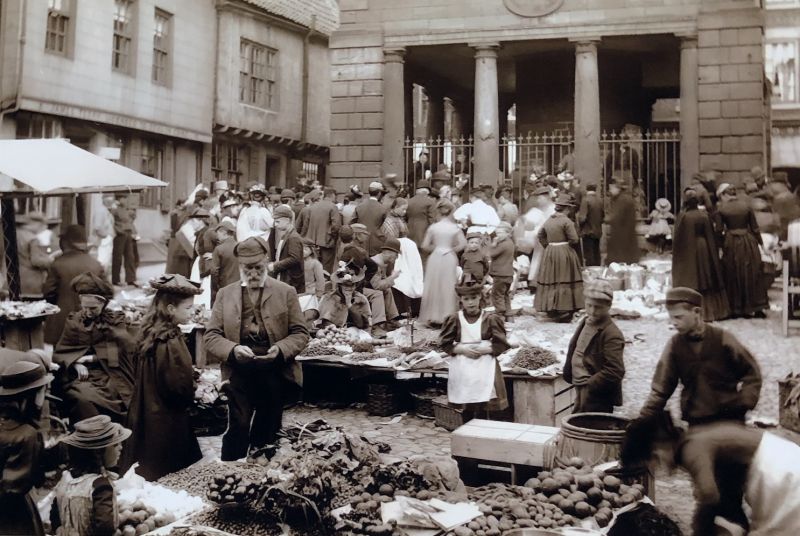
(603, 360)
(623, 243)
(421, 212)
(288, 266)
(58, 288)
(372, 214)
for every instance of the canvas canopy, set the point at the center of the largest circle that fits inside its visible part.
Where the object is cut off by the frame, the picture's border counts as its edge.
(55, 166)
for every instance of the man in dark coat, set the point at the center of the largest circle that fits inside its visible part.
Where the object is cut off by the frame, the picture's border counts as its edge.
(256, 331)
(372, 213)
(594, 359)
(96, 355)
(623, 243)
(224, 266)
(590, 219)
(721, 382)
(124, 248)
(421, 213)
(74, 261)
(286, 247)
(323, 226)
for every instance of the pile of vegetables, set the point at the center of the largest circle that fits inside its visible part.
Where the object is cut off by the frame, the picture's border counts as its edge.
(533, 358)
(137, 518)
(317, 350)
(331, 336)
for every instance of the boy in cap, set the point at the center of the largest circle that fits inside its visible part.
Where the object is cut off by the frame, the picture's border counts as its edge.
(474, 259)
(595, 364)
(224, 266)
(501, 255)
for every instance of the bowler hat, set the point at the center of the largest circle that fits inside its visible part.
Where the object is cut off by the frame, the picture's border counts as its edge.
(251, 250)
(75, 235)
(176, 284)
(599, 290)
(23, 376)
(90, 283)
(683, 295)
(96, 432)
(392, 244)
(282, 211)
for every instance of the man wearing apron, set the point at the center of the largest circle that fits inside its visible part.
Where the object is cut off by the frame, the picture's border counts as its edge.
(474, 338)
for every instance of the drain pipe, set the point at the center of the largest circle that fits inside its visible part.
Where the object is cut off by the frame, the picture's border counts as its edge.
(306, 55)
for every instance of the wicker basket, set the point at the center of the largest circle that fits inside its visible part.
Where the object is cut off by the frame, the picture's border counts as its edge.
(447, 416)
(382, 400)
(423, 402)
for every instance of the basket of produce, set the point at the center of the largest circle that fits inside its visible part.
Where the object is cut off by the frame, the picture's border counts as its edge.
(382, 400)
(423, 402)
(447, 416)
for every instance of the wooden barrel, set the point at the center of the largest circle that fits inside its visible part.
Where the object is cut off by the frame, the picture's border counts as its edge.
(594, 437)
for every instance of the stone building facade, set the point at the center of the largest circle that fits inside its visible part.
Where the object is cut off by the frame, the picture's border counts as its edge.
(564, 65)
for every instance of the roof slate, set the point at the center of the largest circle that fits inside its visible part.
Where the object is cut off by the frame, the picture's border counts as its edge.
(301, 12)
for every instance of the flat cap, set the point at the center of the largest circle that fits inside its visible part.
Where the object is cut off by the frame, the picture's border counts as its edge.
(226, 225)
(346, 232)
(251, 250)
(474, 235)
(89, 283)
(282, 211)
(684, 295)
(542, 190)
(423, 184)
(287, 193)
(599, 289)
(359, 228)
(392, 244)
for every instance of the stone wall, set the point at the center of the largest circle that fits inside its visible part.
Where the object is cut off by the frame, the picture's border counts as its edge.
(732, 105)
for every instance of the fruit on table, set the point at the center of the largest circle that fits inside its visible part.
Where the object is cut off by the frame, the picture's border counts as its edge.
(136, 517)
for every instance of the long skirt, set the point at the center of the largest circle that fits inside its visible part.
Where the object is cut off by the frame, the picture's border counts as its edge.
(439, 297)
(742, 271)
(715, 299)
(559, 283)
(19, 516)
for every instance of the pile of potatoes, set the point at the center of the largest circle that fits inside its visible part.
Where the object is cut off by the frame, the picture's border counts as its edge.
(578, 490)
(137, 519)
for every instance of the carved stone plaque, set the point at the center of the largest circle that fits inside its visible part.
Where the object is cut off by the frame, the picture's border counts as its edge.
(532, 8)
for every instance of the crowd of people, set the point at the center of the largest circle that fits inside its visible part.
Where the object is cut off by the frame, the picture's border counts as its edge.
(274, 265)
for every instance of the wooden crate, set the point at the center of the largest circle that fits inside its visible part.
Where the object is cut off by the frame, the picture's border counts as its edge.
(542, 400)
(482, 448)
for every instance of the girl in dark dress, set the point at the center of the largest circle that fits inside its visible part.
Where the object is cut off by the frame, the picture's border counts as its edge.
(741, 258)
(163, 440)
(559, 283)
(22, 390)
(695, 260)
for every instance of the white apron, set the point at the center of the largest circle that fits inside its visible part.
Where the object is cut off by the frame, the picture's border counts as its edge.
(773, 487)
(470, 380)
(205, 285)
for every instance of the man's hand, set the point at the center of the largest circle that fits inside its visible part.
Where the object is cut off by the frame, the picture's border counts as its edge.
(243, 354)
(271, 267)
(86, 359)
(208, 256)
(271, 355)
(81, 371)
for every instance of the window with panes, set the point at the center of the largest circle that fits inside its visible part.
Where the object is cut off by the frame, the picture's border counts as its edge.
(258, 74)
(152, 159)
(56, 36)
(121, 54)
(782, 68)
(226, 163)
(161, 47)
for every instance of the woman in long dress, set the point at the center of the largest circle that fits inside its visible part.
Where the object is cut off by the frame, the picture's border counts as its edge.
(741, 258)
(444, 240)
(533, 221)
(695, 261)
(559, 282)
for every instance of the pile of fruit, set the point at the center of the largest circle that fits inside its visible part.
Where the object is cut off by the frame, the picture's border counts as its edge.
(331, 336)
(533, 358)
(19, 309)
(137, 518)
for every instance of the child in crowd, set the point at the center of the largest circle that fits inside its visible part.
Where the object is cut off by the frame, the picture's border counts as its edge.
(473, 259)
(501, 253)
(163, 440)
(660, 231)
(85, 502)
(315, 283)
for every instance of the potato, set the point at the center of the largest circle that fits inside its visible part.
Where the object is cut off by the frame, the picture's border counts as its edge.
(129, 531)
(142, 528)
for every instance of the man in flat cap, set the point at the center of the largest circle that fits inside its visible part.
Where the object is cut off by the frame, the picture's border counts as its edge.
(256, 330)
(372, 213)
(96, 354)
(721, 382)
(286, 247)
(224, 266)
(595, 364)
(74, 260)
(254, 218)
(321, 227)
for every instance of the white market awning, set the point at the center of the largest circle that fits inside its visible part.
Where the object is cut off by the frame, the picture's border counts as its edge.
(55, 166)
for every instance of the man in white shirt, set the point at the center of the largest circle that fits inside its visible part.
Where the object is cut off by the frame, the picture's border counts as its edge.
(254, 218)
(101, 235)
(477, 214)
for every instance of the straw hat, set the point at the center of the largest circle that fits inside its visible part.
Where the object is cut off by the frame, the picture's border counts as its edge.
(663, 204)
(23, 376)
(96, 432)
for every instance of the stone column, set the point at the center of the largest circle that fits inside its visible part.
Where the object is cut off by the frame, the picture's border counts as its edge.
(487, 127)
(587, 112)
(394, 115)
(689, 117)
